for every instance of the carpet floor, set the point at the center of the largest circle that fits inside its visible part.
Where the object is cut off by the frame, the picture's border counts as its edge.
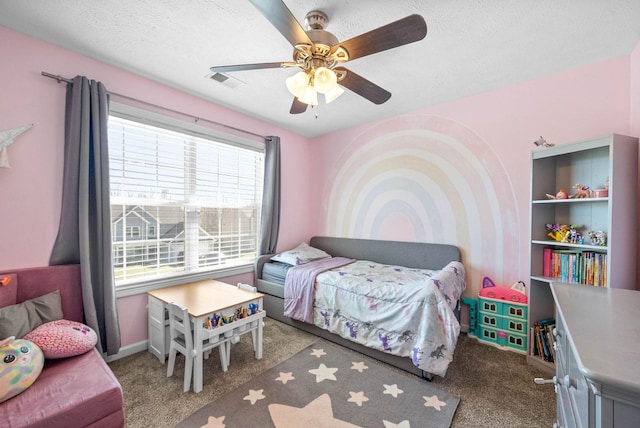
(495, 387)
(326, 385)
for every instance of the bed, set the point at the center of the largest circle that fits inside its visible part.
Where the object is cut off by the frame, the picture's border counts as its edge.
(394, 301)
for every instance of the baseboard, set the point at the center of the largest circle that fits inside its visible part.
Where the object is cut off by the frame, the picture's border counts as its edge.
(134, 348)
(125, 351)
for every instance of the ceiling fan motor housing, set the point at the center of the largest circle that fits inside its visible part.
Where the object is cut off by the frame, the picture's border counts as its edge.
(318, 54)
(316, 20)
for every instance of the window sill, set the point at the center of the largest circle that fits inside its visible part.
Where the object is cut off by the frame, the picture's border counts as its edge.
(143, 287)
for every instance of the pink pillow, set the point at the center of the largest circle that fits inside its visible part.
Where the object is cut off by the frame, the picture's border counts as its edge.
(63, 338)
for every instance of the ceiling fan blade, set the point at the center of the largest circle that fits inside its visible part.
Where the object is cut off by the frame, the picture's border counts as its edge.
(281, 17)
(404, 31)
(363, 87)
(241, 67)
(297, 107)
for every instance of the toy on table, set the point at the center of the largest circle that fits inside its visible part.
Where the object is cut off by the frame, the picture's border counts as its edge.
(21, 362)
(241, 312)
(514, 294)
(253, 308)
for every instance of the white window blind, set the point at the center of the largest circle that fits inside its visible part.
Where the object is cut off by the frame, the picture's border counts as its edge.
(181, 202)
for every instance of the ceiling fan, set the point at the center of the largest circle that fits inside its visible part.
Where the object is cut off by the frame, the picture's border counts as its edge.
(319, 54)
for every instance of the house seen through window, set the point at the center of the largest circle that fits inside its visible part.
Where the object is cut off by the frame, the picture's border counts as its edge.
(182, 202)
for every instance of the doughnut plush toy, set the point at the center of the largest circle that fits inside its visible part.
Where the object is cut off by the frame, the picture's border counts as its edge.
(21, 362)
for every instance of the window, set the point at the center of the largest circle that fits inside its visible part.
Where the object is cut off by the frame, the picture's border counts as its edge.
(133, 232)
(184, 201)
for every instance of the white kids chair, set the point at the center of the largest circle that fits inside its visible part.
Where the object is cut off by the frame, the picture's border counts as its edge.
(182, 341)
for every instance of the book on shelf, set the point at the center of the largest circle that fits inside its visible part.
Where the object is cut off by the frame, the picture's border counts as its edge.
(537, 349)
(551, 339)
(575, 265)
(544, 340)
(546, 263)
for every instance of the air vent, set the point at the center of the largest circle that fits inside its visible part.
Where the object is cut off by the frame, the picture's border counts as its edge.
(226, 80)
(219, 77)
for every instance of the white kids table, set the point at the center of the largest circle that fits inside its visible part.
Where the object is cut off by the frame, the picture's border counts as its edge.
(202, 299)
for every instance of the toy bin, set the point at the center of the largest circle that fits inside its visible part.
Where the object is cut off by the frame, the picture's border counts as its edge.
(488, 334)
(502, 338)
(515, 325)
(515, 310)
(517, 342)
(493, 321)
(503, 323)
(490, 306)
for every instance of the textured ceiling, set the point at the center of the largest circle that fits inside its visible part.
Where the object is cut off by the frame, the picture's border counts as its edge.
(471, 46)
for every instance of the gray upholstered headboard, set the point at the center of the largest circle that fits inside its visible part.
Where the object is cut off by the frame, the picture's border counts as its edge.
(410, 254)
(417, 255)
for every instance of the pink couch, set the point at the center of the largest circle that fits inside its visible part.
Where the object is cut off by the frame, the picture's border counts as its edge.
(78, 391)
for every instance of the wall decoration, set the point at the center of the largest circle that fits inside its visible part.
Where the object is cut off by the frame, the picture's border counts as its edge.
(6, 139)
(427, 179)
(542, 142)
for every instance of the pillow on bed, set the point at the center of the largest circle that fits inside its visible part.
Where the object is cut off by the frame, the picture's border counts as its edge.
(19, 319)
(63, 338)
(300, 255)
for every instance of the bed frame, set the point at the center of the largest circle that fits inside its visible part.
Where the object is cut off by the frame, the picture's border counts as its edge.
(410, 254)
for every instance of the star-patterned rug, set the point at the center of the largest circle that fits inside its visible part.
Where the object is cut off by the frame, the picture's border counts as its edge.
(326, 385)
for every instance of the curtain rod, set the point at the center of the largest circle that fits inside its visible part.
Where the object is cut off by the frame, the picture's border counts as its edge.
(197, 119)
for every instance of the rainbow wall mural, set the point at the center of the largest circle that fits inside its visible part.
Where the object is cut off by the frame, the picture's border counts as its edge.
(428, 179)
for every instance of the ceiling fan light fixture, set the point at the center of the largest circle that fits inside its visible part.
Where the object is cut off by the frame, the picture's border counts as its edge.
(324, 80)
(333, 94)
(297, 84)
(310, 96)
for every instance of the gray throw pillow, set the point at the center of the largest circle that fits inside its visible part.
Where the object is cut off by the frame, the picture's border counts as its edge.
(18, 320)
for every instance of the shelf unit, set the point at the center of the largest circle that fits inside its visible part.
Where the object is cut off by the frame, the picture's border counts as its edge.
(589, 163)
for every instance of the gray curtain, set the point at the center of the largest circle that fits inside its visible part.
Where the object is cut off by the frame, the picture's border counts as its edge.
(270, 218)
(84, 235)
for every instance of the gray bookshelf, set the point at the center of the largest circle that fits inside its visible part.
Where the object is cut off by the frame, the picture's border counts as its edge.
(590, 163)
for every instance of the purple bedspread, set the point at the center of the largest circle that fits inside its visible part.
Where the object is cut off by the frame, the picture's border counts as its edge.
(299, 286)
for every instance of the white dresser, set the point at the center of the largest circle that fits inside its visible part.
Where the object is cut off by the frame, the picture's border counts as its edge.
(597, 356)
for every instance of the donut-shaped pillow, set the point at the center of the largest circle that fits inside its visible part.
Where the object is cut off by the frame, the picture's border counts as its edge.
(21, 362)
(63, 338)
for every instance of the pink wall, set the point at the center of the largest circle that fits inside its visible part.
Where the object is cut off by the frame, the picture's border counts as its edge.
(634, 108)
(467, 160)
(635, 90)
(31, 188)
(478, 150)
